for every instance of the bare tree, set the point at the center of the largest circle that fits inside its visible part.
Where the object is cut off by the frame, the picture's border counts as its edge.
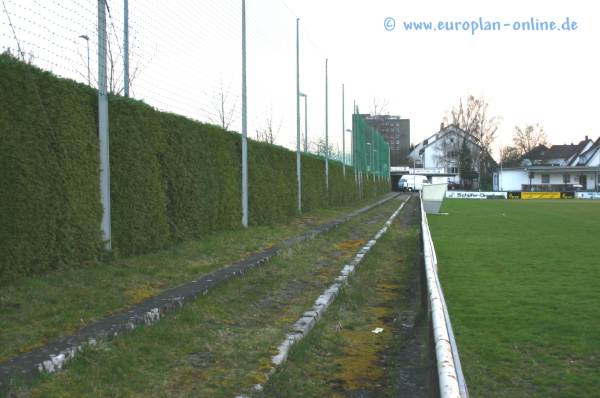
(320, 148)
(224, 109)
(465, 164)
(115, 60)
(115, 74)
(115, 69)
(509, 154)
(269, 133)
(529, 137)
(380, 107)
(472, 116)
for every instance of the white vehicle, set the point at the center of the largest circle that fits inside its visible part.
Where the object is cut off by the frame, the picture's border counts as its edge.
(412, 182)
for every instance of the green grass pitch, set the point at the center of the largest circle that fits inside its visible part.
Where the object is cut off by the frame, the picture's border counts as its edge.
(522, 283)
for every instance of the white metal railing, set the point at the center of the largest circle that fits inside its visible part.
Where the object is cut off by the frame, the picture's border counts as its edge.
(451, 379)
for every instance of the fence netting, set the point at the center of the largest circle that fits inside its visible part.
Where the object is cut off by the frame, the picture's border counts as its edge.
(371, 154)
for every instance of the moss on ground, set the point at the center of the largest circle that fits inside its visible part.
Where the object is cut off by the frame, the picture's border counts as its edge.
(342, 357)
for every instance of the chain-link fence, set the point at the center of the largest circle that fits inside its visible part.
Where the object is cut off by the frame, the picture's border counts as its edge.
(185, 58)
(193, 59)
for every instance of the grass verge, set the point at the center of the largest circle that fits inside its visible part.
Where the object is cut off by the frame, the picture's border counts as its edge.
(36, 310)
(222, 342)
(342, 356)
(521, 281)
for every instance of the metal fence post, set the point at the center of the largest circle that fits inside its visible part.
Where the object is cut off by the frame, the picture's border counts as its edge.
(103, 127)
(305, 122)
(326, 128)
(343, 136)
(298, 161)
(244, 124)
(126, 47)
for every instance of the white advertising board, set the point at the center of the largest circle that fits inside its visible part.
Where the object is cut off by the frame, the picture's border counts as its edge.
(587, 195)
(475, 195)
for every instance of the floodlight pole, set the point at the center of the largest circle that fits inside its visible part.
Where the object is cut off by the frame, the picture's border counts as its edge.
(103, 127)
(126, 48)
(244, 124)
(343, 136)
(305, 121)
(326, 127)
(352, 142)
(298, 161)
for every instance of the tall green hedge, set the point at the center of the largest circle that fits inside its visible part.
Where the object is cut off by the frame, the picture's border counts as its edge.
(172, 179)
(139, 221)
(49, 199)
(271, 183)
(314, 189)
(200, 167)
(71, 113)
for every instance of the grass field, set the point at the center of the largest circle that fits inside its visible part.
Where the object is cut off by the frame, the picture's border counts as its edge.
(522, 282)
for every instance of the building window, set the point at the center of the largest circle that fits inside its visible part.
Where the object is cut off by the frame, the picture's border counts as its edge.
(576, 179)
(567, 178)
(453, 170)
(545, 178)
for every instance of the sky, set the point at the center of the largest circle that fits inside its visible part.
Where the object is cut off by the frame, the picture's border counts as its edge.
(187, 57)
(527, 77)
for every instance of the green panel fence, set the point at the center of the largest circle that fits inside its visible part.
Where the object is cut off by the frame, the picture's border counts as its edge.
(371, 154)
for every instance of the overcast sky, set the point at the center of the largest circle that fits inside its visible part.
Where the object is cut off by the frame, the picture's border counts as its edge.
(542, 77)
(187, 50)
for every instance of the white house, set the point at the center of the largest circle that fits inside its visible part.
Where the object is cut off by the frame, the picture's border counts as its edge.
(558, 168)
(441, 151)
